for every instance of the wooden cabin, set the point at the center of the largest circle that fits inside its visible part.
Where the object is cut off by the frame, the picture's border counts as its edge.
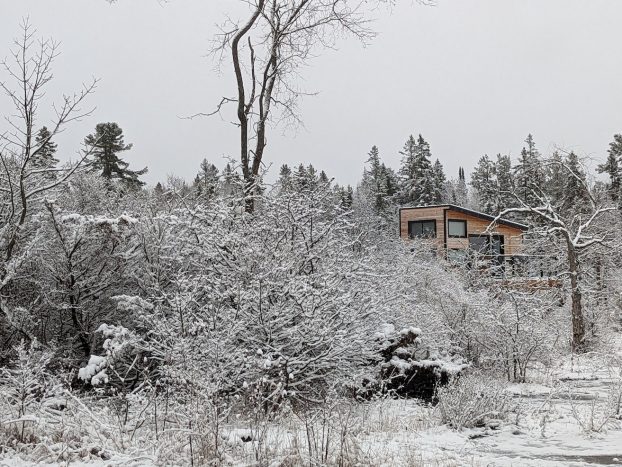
(459, 231)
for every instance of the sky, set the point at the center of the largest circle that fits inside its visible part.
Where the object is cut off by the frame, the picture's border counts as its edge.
(474, 77)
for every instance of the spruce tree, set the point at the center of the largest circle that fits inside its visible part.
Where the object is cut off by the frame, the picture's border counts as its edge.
(323, 178)
(107, 142)
(374, 181)
(529, 174)
(504, 183)
(45, 149)
(417, 173)
(484, 182)
(575, 196)
(285, 178)
(439, 182)
(613, 167)
(206, 181)
(231, 181)
(556, 179)
(460, 191)
(391, 180)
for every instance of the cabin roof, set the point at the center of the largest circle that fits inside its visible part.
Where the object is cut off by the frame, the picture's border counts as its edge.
(453, 207)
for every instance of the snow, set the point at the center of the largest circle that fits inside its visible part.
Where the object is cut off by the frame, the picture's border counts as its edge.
(93, 369)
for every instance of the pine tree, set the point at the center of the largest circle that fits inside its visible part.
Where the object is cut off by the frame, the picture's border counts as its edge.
(417, 173)
(374, 182)
(347, 197)
(613, 167)
(391, 180)
(107, 142)
(323, 178)
(231, 181)
(556, 179)
(206, 181)
(44, 157)
(439, 182)
(505, 183)
(285, 178)
(484, 182)
(459, 189)
(529, 173)
(575, 197)
(158, 189)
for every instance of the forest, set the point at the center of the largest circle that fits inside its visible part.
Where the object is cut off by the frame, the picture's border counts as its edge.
(276, 319)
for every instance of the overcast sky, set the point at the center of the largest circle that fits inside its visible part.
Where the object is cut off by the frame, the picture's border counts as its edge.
(472, 76)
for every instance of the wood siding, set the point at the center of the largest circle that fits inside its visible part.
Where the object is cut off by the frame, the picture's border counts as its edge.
(435, 213)
(512, 236)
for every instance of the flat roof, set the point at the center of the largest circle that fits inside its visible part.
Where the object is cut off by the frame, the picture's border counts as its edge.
(482, 215)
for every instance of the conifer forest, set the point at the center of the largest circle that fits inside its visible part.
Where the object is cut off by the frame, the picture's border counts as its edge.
(260, 313)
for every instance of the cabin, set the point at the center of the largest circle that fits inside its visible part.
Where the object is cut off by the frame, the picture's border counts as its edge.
(461, 233)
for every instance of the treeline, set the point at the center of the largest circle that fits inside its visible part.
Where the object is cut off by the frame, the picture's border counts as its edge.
(494, 185)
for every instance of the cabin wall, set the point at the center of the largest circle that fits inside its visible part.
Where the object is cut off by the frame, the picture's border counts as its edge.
(476, 225)
(423, 214)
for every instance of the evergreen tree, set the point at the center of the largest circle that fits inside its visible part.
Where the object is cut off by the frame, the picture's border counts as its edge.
(484, 182)
(231, 181)
(44, 157)
(391, 180)
(529, 173)
(347, 197)
(107, 142)
(323, 178)
(613, 168)
(417, 173)
(374, 181)
(285, 178)
(459, 190)
(556, 180)
(504, 183)
(575, 197)
(439, 182)
(206, 181)
(158, 189)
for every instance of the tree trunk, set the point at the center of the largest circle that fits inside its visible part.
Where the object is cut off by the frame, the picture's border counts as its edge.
(578, 322)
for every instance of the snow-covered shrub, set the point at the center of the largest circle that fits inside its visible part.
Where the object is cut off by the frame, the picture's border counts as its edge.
(474, 400)
(412, 368)
(29, 395)
(600, 413)
(125, 364)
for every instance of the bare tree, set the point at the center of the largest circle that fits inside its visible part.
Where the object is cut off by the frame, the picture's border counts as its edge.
(577, 227)
(267, 51)
(22, 183)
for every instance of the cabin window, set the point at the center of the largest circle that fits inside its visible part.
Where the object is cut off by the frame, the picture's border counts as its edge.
(487, 244)
(425, 229)
(457, 229)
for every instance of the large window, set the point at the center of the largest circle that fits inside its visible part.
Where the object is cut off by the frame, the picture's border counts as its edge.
(487, 244)
(456, 229)
(425, 229)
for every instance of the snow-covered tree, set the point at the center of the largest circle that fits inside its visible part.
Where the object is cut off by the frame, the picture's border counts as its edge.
(484, 182)
(417, 179)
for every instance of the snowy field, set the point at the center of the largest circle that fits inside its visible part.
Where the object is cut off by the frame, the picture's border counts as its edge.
(560, 418)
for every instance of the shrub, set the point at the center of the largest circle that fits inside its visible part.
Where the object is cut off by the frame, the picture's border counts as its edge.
(474, 401)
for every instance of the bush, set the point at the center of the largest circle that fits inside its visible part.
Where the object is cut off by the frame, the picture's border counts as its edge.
(474, 401)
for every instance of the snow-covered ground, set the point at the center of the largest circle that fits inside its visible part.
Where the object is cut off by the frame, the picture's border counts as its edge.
(560, 421)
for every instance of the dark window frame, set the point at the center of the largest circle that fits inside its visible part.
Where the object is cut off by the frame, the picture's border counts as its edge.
(489, 241)
(465, 228)
(422, 221)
